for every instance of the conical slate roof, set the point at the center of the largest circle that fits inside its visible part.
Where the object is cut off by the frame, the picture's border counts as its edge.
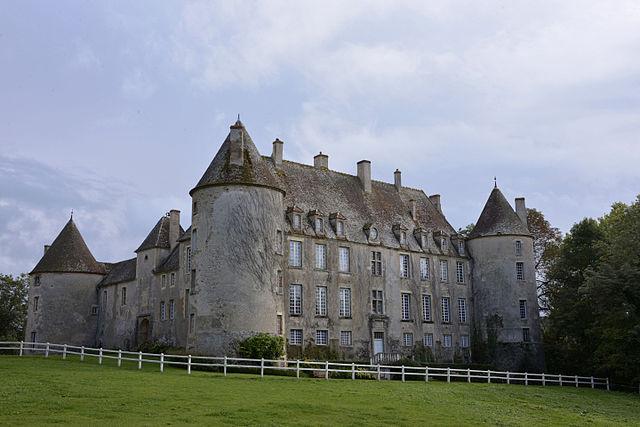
(158, 237)
(498, 217)
(69, 254)
(255, 170)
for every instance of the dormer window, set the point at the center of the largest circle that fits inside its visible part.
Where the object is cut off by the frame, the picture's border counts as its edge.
(401, 234)
(403, 237)
(337, 221)
(461, 247)
(422, 236)
(340, 228)
(444, 244)
(297, 221)
(294, 214)
(371, 232)
(319, 225)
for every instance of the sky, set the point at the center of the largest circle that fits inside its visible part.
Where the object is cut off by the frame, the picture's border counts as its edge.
(115, 109)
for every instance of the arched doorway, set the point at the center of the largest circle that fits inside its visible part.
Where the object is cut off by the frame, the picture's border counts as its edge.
(143, 330)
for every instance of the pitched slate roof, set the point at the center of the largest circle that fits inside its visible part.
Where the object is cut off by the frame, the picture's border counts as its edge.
(123, 271)
(69, 254)
(158, 237)
(255, 170)
(498, 217)
(171, 262)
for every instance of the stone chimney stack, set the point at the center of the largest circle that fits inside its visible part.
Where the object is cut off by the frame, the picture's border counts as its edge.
(276, 155)
(521, 210)
(414, 213)
(364, 173)
(174, 227)
(46, 248)
(236, 138)
(321, 161)
(435, 199)
(397, 179)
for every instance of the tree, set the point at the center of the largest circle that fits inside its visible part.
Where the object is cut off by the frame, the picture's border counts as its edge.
(13, 306)
(546, 243)
(262, 345)
(464, 232)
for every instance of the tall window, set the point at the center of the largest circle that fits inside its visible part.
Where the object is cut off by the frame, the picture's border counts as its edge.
(377, 306)
(427, 340)
(444, 270)
(173, 280)
(345, 302)
(376, 263)
(163, 311)
(406, 306)
(426, 308)
(297, 221)
(446, 340)
(279, 241)
(519, 270)
(407, 339)
(35, 303)
(464, 341)
(295, 300)
(444, 244)
(295, 337)
(321, 257)
(194, 208)
(446, 309)
(279, 282)
(462, 310)
(403, 238)
(461, 247)
(278, 324)
(424, 268)
(187, 257)
(321, 300)
(123, 296)
(340, 228)
(459, 271)
(404, 265)
(345, 338)
(163, 281)
(185, 304)
(518, 247)
(319, 226)
(295, 253)
(192, 323)
(523, 308)
(344, 259)
(322, 337)
(172, 309)
(194, 239)
(526, 337)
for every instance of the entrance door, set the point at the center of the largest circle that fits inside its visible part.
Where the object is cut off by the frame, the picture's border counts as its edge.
(143, 331)
(378, 342)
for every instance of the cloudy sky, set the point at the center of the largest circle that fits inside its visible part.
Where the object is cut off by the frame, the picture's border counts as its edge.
(114, 109)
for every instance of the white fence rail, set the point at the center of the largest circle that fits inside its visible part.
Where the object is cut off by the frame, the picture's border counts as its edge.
(317, 369)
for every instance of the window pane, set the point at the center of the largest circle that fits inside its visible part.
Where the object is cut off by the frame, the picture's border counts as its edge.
(459, 272)
(345, 302)
(295, 300)
(424, 268)
(444, 270)
(321, 301)
(446, 306)
(404, 266)
(406, 306)
(295, 253)
(426, 308)
(321, 257)
(345, 338)
(462, 310)
(344, 259)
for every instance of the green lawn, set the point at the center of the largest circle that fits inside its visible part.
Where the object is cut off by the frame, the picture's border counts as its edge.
(35, 390)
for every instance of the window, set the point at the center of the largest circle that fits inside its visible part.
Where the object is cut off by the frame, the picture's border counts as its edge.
(36, 280)
(462, 310)
(345, 338)
(426, 308)
(444, 270)
(279, 241)
(459, 271)
(194, 208)
(406, 306)
(187, 258)
(35, 303)
(523, 308)
(407, 339)
(526, 337)
(192, 323)
(376, 263)
(295, 300)
(322, 337)
(279, 282)
(319, 223)
(340, 228)
(444, 244)
(424, 243)
(321, 257)
(194, 239)
(297, 221)
(424, 268)
(172, 309)
(123, 296)
(163, 281)
(321, 301)
(518, 247)
(464, 341)
(163, 311)
(404, 266)
(373, 233)
(403, 238)
(173, 280)
(295, 253)
(94, 310)
(377, 306)
(345, 302)
(461, 247)
(278, 324)
(344, 259)
(185, 304)
(446, 340)
(193, 281)
(295, 337)
(446, 310)
(427, 340)
(519, 270)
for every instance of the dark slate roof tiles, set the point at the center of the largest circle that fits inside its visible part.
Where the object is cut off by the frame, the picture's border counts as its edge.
(498, 217)
(123, 271)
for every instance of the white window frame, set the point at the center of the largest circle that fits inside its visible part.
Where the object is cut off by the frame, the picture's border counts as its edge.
(321, 256)
(407, 339)
(403, 237)
(339, 228)
(295, 337)
(444, 244)
(519, 270)
(345, 302)
(295, 299)
(459, 271)
(319, 225)
(376, 263)
(445, 306)
(295, 253)
(346, 338)
(344, 259)
(462, 310)
(322, 337)
(444, 270)
(297, 221)
(426, 308)
(427, 339)
(464, 341)
(321, 301)
(447, 340)
(377, 301)
(405, 266)
(518, 247)
(405, 300)
(424, 268)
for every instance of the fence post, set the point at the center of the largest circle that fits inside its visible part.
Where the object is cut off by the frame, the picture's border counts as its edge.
(298, 369)
(448, 374)
(426, 374)
(508, 378)
(468, 375)
(64, 352)
(326, 371)
(526, 378)
(189, 365)
(576, 381)
(21, 347)
(119, 358)
(161, 362)
(225, 366)
(560, 378)
(262, 367)
(46, 353)
(592, 383)
(353, 371)
(100, 357)
(378, 372)
(82, 354)
(488, 376)
(402, 373)
(544, 382)
(608, 384)
(140, 360)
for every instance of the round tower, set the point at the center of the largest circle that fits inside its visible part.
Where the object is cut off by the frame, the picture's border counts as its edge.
(238, 215)
(504, 287)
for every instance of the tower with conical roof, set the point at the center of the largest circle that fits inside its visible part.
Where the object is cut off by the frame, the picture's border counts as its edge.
(504, 287)
(62, 292)
(238, 215)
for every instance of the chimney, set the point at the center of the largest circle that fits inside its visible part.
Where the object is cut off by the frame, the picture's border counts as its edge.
(414, 215)
(236, 139)
(321, 161)
(521, 210)
(46, 248)
(174, 227)
(276, 155)
(364, 173)
(397, 179)
(435, 199)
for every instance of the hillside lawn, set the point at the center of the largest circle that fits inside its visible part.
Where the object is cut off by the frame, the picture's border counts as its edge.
(35, 390)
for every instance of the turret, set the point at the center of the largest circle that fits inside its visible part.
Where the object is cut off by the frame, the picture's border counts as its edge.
(504, 286)
(234, 259)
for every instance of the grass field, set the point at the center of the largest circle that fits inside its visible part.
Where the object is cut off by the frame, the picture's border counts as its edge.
(35, 390)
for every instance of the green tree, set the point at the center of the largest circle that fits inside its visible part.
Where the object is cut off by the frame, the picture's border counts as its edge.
(546, 244)
(13, 306)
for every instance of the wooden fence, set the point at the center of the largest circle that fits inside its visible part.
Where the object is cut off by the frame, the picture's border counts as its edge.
(318, 369)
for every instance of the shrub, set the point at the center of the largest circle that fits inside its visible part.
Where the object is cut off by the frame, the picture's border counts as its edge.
(262, 345)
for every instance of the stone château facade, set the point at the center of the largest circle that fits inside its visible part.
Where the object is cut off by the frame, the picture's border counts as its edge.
(340, 265)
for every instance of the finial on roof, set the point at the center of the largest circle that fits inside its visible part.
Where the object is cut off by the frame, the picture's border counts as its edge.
(495, 182)
(71, 215)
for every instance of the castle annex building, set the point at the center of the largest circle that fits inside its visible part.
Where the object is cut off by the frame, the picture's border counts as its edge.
(338, 264)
